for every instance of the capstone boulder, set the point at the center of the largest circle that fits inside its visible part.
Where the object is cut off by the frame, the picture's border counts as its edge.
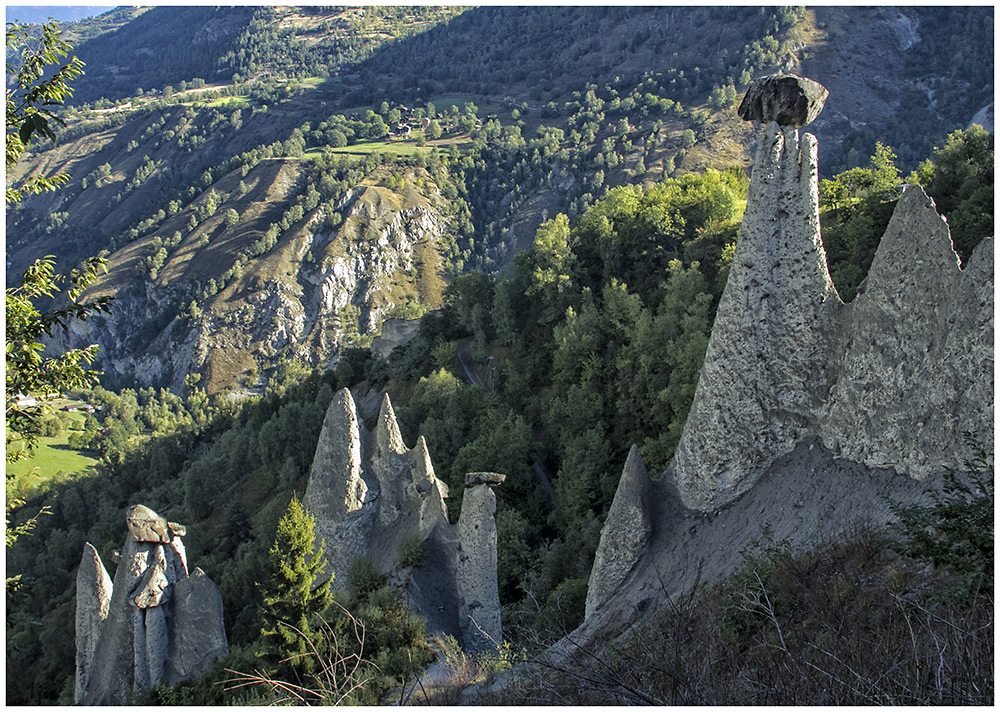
(786, 99)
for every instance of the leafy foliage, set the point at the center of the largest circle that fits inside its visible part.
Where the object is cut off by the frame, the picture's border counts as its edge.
(954, 531)
(30, 98)
(961, 181)
(28, 371)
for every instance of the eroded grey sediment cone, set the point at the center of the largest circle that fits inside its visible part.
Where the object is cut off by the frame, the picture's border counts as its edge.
(397, 498)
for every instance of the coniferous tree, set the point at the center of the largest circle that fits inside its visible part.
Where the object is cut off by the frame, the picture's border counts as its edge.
(291, 595)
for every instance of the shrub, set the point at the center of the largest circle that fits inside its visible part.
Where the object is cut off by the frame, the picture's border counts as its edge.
(955, 531)
(411, 551)
(753, 594)
(363, 578)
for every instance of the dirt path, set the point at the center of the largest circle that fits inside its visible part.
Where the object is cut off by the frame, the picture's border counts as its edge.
(469, 373)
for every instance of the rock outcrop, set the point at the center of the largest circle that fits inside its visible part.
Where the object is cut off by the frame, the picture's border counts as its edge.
(308, 295)
(369, 494)
(809, 413)
(155, 623)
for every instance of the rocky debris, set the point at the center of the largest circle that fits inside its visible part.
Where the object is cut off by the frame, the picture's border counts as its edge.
(787, 99)
(484, 478)
(397, 497)
(809, 413)
(154, 624)
(983, 117)
(626, 532)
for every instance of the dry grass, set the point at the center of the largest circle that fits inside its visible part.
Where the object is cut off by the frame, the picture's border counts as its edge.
(339, 674)
(853, 624)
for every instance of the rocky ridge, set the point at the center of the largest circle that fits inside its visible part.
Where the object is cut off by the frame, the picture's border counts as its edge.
(155, 623)
(369, 494)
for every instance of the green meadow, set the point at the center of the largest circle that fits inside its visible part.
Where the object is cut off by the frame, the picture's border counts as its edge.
(53, 455)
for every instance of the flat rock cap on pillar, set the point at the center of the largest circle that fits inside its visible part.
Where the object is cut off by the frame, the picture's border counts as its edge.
(492, 479)
(787, 99)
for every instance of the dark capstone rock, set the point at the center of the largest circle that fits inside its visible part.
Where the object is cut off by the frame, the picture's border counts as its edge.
(788, 99)
(484, 478)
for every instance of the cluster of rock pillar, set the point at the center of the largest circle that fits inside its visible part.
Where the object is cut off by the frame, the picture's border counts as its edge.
(891, 381)
(155, 623)
(368, 493)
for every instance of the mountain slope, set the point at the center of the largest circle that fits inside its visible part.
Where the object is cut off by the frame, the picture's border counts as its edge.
(571, 101)
(197, 307)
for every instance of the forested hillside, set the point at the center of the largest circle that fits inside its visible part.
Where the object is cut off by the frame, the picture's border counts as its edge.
(555, 192)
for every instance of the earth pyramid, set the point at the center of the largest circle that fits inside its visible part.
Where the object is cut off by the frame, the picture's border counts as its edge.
(809, 413)
(157, 622)
(369, 494)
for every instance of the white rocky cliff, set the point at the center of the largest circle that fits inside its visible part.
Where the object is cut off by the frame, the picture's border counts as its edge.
(318, 289)
(369, 493)
(156, 623)
(808, 412)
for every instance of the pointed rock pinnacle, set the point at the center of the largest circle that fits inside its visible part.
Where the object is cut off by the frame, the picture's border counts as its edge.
(387, 435)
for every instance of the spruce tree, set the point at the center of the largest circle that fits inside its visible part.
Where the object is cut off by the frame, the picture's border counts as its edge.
(291, 595)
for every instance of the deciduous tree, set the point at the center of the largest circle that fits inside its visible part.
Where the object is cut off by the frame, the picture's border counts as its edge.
(28, 371)
(31, 99)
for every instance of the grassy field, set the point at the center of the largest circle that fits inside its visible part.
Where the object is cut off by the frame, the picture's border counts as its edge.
(390, 148)
(394, 148)
(230, 102)
(310, 82)
(52, 456)
(443, 103)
